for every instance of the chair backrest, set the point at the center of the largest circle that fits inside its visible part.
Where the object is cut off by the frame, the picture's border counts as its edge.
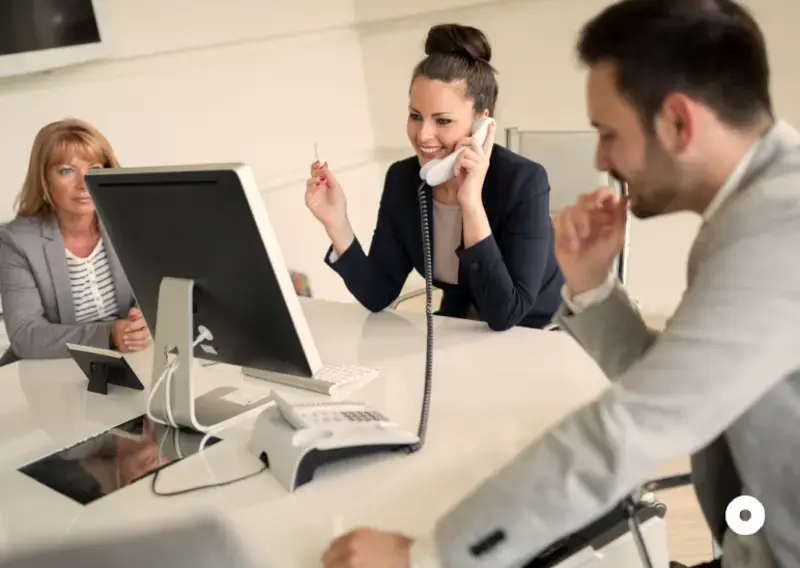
(568, 158)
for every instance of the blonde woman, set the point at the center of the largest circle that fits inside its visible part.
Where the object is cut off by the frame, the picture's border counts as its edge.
(60, 280)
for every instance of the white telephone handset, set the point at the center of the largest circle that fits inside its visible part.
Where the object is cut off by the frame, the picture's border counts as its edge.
(293, 439)
(437, 172)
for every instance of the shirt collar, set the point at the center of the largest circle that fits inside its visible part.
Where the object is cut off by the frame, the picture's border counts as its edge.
(731, 184)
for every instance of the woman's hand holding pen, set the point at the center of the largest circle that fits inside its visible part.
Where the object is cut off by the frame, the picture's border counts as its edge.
(326, 200)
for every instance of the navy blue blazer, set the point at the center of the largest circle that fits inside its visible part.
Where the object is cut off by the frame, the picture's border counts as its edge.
(511, 277)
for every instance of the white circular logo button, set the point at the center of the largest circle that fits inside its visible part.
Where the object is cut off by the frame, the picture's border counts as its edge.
(753, 524)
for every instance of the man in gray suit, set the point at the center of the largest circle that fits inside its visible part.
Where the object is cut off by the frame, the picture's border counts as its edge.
(678, 91)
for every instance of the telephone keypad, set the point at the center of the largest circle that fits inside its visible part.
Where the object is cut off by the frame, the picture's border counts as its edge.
(345, 416)
(363, 416)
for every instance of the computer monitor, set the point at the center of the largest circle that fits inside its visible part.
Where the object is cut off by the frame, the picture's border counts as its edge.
(198, 249)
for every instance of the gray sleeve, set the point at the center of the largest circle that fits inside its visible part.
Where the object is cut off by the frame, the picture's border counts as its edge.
(732, 339)
(30, 334)
(612, 331)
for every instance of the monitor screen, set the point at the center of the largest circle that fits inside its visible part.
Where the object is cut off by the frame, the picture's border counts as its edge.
(36, 25)
(114, 459)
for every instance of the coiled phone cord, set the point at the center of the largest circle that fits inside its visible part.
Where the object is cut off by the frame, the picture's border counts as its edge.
(428, 269)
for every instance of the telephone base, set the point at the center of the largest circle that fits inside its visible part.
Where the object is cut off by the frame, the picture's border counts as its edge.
(317, 458)
(293, 456)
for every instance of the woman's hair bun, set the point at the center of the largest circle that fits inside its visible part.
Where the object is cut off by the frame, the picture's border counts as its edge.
(455, 39)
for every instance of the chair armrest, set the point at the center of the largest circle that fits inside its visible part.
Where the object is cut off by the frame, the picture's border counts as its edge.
(421, 292)
(407, 296)
(668, 482)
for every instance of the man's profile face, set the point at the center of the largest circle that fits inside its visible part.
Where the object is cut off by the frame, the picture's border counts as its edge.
(627, 150)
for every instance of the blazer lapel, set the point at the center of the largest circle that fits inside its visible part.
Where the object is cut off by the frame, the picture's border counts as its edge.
(57, 263)
(122, 288)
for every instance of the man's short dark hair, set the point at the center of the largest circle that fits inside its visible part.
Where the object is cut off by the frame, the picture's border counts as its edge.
(711, 50)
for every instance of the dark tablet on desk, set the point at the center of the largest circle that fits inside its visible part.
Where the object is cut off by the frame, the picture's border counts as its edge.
(114, 459)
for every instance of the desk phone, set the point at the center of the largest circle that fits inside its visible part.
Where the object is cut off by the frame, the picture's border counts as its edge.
(294, 439)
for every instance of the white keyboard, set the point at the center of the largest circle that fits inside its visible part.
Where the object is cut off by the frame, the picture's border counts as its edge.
(327, 380)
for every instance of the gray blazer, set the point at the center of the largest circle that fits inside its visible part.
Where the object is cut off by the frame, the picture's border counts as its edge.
(721, 383)
(37, 298)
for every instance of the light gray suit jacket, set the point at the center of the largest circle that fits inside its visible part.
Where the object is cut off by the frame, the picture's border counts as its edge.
(37, 299)
(721, 383)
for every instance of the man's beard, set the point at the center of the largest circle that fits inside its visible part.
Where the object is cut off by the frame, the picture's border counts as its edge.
(654, 190)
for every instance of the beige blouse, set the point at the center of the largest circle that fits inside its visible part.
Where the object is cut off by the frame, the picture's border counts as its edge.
(447, 230)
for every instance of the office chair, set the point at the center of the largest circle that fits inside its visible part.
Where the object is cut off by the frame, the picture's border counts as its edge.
(568, 159)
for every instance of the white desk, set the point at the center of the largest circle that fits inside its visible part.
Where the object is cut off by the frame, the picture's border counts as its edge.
(493, 392)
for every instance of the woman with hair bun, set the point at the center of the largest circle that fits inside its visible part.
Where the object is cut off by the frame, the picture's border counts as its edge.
(491, 233)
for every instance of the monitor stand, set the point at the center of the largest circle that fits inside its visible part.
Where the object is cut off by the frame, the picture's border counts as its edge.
(175, 340)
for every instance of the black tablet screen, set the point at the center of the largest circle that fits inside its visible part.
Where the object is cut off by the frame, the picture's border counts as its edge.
(114, 459)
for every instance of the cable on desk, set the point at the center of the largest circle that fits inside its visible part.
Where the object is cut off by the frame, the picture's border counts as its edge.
(199, 487)
(156, 473)
(171, 366)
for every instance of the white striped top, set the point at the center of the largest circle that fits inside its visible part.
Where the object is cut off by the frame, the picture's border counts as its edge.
(93, 291)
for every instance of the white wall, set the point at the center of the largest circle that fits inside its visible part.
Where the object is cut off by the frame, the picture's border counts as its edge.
(260, 80)
(542, 88)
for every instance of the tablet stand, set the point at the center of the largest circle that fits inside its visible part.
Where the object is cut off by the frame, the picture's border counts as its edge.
(102, 374)
(103, 367)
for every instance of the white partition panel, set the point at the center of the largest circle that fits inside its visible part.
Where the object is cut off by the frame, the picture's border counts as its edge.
(569, 158)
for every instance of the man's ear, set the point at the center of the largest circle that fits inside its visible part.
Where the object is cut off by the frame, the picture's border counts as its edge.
(675, 124)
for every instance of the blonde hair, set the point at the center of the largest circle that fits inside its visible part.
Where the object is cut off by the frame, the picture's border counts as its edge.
(51, 145)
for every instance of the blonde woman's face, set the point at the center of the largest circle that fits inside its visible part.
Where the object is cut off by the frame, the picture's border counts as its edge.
(67, 186)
